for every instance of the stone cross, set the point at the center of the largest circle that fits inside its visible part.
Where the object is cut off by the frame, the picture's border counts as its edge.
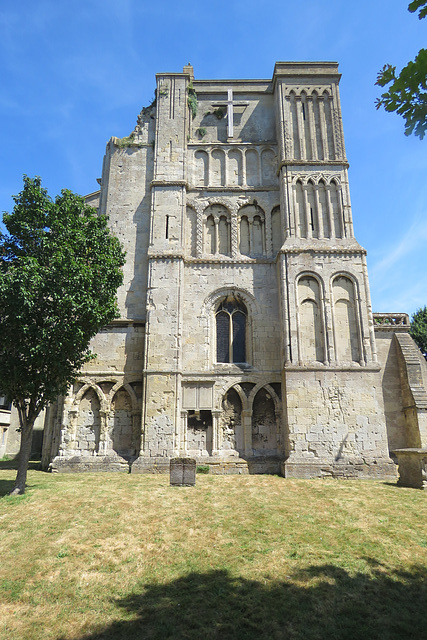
(230, 105)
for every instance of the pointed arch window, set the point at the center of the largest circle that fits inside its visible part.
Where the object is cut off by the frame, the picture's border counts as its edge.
(231, 322)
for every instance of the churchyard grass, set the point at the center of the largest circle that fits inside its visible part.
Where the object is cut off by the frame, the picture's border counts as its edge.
(115, 556)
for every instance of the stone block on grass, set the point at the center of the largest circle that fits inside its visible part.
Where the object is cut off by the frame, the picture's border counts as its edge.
(182, 472)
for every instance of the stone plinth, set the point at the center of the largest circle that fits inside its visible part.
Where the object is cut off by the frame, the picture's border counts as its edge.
(412, 467)
(182, 472)
(82, 464)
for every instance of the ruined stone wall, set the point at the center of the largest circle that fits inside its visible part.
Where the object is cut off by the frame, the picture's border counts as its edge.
(126, 200)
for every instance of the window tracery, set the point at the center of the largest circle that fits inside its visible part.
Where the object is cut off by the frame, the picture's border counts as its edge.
(231, 323)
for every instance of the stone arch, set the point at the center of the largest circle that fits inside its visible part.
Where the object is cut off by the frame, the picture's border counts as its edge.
(265, 435)
(346, 319)
(91, 385)
(190, 231)
(252, 168)
(271, 391)
(217, 168)
(88, 427)
(242, 395)
(235, 168)
(310, 322)
(276, 229)
(216, 230)
(268, 167)
(208, 319)
(251, 226)
(212, 301)
(201, 168)
(300, 218)
(294, 125)
(231, 330)
(131, 391)
(329, 141)
(121, 424)
(336, 209)
(305, 124)
(317, 134)
(312, 221)
(231, 421)
(324, 220)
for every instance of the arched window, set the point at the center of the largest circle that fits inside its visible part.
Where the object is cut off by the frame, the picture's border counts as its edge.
(231, 317)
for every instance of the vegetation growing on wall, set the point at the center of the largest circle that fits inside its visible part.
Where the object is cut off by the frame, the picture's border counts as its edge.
(192, 100)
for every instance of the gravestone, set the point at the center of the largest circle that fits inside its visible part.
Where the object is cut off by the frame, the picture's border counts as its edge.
(182, 472)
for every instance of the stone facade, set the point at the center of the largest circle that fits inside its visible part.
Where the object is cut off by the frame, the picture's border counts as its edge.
(246, 337)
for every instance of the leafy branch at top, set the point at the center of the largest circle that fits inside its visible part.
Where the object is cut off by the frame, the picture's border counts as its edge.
(418, 4)
(407, 92)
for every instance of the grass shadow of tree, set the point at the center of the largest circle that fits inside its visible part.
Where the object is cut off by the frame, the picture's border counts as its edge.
(315, 604)
(6, 487)
(34, 465)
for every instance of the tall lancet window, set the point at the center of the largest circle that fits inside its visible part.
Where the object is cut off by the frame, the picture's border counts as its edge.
(231, 320)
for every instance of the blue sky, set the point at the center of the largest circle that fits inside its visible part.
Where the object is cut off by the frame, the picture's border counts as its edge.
(75, 73)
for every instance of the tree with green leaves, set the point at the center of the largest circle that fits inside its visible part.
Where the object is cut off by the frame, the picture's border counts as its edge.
(60, 268)
(419, 329)
(407, 93)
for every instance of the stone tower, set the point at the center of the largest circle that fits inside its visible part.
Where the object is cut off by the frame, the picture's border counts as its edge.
(246, 337)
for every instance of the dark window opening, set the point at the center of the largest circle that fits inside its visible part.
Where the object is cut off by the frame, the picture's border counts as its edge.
(231, 331)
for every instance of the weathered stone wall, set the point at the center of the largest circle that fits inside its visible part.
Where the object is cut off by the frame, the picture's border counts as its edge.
(335, 416)
(126, 200)
(392, 390)
(246, 332)
(205, 285)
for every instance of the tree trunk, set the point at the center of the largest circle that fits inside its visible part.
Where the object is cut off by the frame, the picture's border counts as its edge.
(23, 457)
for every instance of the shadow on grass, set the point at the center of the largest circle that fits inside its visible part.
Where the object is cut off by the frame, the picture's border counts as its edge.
(34, 464)
(6, 486)
(333, 605)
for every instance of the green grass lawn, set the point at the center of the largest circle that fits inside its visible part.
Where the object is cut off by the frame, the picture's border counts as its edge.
(117, 556)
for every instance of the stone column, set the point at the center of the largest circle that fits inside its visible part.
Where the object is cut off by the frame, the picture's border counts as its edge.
(216, 432)
(184, 432)
(104, 440)
(247, 431)
(323, 127)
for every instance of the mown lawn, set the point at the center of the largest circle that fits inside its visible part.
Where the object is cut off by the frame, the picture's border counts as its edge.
(117, 556)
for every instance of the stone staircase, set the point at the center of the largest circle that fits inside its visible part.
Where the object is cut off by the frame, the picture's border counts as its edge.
(413, 363)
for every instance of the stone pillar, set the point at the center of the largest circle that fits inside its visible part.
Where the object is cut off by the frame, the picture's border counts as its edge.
(104, 439)
(247, 431)
(162, 363)
(412, 467)
(216, 432)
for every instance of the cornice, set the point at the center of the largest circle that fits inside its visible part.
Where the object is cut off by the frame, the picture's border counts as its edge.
(314, 163)
(169, 183)
(320, 250)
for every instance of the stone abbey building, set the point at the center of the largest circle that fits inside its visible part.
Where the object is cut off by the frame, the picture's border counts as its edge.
(246, 337)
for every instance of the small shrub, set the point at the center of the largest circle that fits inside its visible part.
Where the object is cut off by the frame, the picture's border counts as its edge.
(202, 468)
